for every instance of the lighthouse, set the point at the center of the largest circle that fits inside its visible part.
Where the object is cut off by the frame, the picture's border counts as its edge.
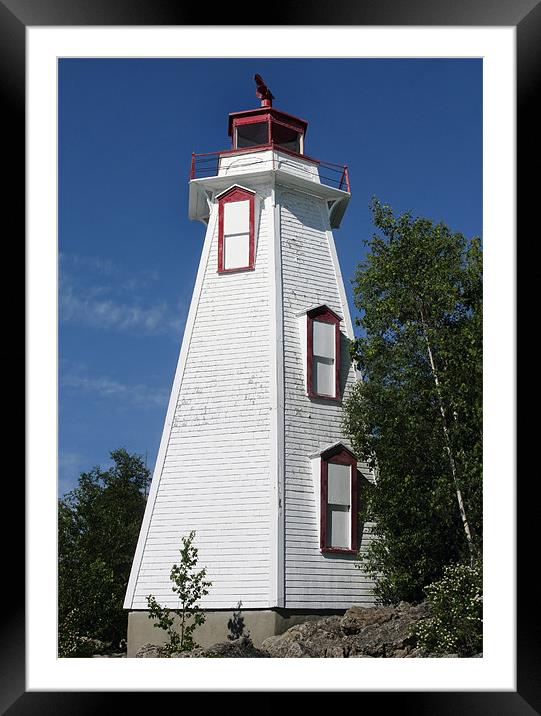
(252, 455)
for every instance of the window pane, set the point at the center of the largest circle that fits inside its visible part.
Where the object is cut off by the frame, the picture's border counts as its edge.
(323, 378)
(250, 135)
(286, 137)
(236, 251)
(338, 526)
(237, 217)
(338, 484)
(324, 339)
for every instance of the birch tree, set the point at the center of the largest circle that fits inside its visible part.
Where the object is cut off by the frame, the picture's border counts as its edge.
(418, 412)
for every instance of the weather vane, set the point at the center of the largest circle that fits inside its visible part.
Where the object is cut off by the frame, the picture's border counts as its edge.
(263, 92)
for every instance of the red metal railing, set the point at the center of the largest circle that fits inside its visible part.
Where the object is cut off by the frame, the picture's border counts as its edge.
(208, 164)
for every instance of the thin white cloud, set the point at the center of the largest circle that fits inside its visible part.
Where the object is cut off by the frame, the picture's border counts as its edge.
(87, 299)
(139, 395)
(106, 313)
(132, 280)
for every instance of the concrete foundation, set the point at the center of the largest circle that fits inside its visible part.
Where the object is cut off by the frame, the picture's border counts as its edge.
(220, 625)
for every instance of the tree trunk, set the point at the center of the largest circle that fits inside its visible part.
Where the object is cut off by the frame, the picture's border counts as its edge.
(447, 441)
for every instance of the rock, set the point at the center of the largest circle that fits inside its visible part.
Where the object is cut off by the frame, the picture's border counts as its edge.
(321, 638)
(357, 618)
(150, 651)
(383, 631)
(362, 632)
(237, 648)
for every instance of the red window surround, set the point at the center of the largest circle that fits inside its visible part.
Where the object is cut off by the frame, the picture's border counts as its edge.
(342, 456)
(236, 194)
(325, 315)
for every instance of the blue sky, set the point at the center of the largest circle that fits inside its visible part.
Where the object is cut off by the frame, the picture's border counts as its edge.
(410, 131)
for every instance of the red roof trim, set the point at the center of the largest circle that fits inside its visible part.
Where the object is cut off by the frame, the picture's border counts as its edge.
(251, 119)
(233, 188)
(336, 450)
(321, 310)
(278, 114)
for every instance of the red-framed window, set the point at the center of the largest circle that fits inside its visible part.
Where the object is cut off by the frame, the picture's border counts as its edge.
(323, 353)
(338, 529)
(236, 239)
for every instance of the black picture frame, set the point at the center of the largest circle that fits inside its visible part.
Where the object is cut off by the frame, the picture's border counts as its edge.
(525, 15)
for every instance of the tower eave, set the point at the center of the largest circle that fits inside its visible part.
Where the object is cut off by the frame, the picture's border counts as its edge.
(202, 190)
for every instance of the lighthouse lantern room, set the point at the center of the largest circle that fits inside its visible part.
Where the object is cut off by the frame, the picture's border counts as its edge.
(252, 456)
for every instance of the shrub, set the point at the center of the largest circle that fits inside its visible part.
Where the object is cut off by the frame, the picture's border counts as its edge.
(190, 587)
(455, 624)
(70, 642)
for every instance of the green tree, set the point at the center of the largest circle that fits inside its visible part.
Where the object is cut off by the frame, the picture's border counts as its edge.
(416, 416)
(98, 527)
(190, 585)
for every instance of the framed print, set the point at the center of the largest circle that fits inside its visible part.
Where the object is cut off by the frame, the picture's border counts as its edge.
(36, 39)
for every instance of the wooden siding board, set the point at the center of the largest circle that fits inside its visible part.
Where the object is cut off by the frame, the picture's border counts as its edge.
(309, 279)
(216, 472)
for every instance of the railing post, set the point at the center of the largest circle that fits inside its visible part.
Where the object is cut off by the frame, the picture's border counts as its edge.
(346, 175)
(192, 169)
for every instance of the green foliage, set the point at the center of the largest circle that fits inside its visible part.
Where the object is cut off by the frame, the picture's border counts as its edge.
(98, 527)
(420, 286)
(190, 586)
(455, 624)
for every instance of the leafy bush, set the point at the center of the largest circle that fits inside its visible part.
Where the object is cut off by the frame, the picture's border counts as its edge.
(71, 643)
(190, 587)
(98, 527)
(455, 624)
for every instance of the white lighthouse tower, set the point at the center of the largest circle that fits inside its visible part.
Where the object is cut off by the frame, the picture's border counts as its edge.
(252, 456)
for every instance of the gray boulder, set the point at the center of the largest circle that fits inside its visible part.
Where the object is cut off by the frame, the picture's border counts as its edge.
(237, 648)
(321, 638)
(361, 632)
(150, 651)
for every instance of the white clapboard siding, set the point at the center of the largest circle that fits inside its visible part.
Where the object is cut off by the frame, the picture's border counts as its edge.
(215, 477)
(312, 580)
(235, 458)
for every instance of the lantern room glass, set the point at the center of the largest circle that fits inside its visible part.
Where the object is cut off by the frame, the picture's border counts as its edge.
(252, 135)
(249, 133)
(286, 137)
